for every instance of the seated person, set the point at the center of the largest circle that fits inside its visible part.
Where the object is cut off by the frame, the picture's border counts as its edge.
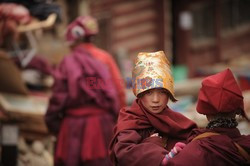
(147, 131)
(220, 143)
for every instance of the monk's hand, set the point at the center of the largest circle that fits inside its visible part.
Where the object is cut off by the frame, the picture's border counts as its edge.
(155, 135)
(176, 149)
(154, 138)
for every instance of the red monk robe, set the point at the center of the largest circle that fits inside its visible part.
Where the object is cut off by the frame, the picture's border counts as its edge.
(83, 115)
(220, 99)
(85, 102)
(131, 144)
(107, 59)
(218, 149)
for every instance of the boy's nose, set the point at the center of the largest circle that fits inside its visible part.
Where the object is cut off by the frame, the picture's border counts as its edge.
(156, 97)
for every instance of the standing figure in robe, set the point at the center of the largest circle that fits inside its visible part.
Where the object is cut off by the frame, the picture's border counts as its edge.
(86, 99)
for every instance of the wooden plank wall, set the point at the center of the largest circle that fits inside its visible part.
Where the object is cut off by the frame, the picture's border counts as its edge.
(135, 25)
(236, 45)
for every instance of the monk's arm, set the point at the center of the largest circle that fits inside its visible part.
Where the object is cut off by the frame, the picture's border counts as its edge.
(130, 151)
(58, 99)
(192, 153)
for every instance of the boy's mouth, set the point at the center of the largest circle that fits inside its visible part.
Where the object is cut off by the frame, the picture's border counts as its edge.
(155, 107)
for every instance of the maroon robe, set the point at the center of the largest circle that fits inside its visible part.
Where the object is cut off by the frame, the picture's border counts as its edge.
(37, 63)
(131, 144)
(107, 59)
(81, 113)
(216, 150)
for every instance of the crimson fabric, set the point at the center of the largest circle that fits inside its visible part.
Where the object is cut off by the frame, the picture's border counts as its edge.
(76, 145)
(216, 150)
(75, 74)
(93, 140)
(41, 64)
(37, 63)
(107, 59)
(16, 12)
(132, 150)
(174, 125)
(83, 113)
(81, 27)
(11, 15)
(220, 93)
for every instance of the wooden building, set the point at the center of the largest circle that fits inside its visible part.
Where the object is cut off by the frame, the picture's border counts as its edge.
(191, 32)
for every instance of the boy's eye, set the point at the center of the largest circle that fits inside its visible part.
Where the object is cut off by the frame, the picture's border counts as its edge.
(163, 91)
(149, 92)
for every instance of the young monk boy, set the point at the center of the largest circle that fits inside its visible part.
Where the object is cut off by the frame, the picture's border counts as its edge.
(147, 131)
(220, 143)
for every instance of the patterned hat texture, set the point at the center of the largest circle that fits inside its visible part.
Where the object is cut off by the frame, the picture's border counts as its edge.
(152, 70)
(220, 93)
(81, 27)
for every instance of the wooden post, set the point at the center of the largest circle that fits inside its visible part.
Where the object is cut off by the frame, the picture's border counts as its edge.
(217, 29)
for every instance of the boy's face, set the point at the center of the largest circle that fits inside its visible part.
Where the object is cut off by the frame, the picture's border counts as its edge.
(155, 100)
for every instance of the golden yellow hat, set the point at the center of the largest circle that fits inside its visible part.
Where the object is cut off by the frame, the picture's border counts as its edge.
(152, 70)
